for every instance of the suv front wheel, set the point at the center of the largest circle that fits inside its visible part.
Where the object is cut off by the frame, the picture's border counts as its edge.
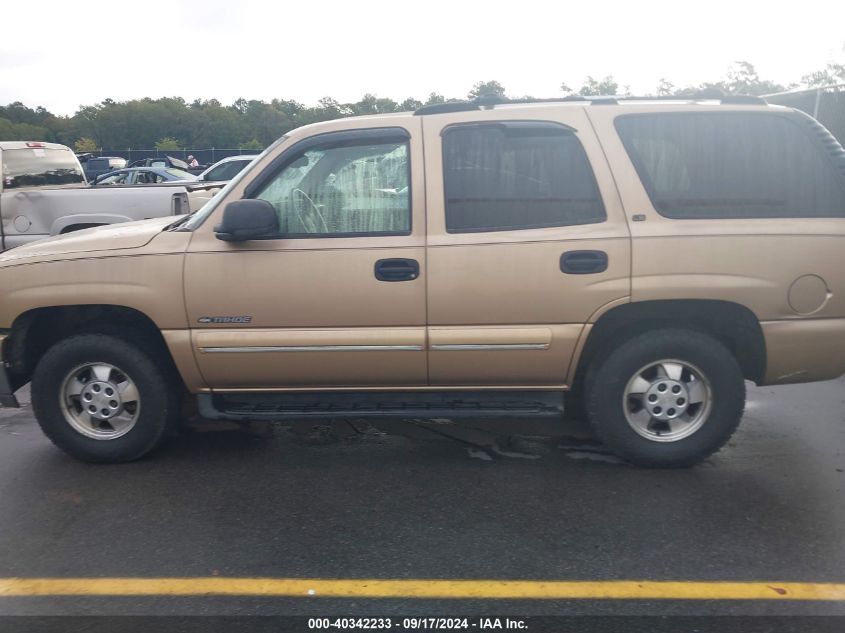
(665, 398)
(101, 398)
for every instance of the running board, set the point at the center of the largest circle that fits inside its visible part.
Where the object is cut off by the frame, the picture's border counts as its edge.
(398, 405)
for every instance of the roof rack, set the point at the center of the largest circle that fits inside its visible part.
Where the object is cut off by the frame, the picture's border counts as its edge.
(702, 95)
(484, 103)
(743, 100)
(443, 108)
(488, 102)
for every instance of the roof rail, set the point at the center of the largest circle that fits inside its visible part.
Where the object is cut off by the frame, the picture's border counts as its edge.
(701, 95)
(449, 106)
(604, 101)
(489, 102)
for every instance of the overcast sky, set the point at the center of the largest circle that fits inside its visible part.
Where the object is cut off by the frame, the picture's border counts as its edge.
(64, 54)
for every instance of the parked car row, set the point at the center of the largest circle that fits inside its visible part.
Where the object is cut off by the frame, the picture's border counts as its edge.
(143, 176)
(221, 171)
(167, 162)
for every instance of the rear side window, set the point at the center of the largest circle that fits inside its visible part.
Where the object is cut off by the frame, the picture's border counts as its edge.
(732, 165)
(517, 175)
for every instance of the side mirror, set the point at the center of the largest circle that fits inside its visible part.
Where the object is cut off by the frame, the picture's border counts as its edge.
(247, 220)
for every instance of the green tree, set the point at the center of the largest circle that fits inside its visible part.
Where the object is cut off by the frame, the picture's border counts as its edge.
(147, 122)
(85, 145)
(604, 87)
(17, 112)
(252, 144)
(10, 131)
(665, 88)
(7, 129)
(830, 75)
(486, 90)
(167, 143)
(371, 104)
(742, 78)
(410, 104)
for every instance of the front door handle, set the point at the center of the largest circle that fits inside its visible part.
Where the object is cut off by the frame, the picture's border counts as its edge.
(397, 269)
(583, 262)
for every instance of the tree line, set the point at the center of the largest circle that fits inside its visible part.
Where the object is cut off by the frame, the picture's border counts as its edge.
(171, 122)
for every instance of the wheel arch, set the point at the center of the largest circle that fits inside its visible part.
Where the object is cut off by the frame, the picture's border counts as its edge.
(733, 324)
(35, 331)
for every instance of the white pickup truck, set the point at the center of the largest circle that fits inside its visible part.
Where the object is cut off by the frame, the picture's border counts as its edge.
(43, 192)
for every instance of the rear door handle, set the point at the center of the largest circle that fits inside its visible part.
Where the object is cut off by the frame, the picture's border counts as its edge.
(397, 269)
(583, 262)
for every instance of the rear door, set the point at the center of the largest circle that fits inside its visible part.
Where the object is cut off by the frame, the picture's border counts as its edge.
(527, 243)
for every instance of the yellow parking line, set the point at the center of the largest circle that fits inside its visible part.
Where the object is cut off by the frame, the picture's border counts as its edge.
(383, 588)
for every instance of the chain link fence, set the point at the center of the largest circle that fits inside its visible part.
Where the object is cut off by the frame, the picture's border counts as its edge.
(826, 105)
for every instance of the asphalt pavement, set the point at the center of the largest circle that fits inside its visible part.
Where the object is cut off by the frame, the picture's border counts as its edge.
(349, 502)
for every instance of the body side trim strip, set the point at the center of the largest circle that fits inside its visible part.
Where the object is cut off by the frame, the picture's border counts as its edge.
(313, 348)
(375, 348)
(461, 347)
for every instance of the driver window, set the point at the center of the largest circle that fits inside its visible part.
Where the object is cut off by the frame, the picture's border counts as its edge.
(349, 189)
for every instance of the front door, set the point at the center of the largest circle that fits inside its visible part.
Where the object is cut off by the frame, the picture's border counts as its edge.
(337, 299)
(527, 244)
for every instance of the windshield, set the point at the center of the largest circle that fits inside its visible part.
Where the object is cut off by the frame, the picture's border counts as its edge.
(38, 166)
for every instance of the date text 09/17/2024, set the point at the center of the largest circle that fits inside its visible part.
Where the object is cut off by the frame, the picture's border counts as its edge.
(416, 624)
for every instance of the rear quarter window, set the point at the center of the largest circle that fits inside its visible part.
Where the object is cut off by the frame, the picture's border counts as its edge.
(714, 165)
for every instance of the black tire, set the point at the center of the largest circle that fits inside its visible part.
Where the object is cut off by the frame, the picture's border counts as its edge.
(608, 376)
(159, 396)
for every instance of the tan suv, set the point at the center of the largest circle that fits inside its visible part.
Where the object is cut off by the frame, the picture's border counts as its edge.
(464, 259)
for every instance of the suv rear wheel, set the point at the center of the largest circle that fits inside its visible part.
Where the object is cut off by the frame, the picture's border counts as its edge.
(101, 398)
(666, 398)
